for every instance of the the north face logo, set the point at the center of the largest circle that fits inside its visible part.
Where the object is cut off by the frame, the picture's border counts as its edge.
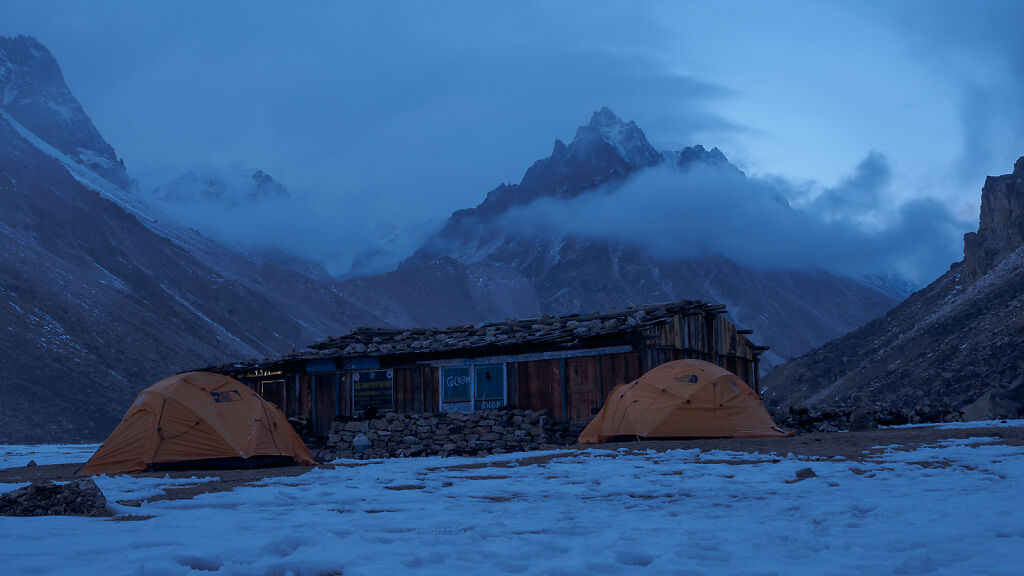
(229, 396)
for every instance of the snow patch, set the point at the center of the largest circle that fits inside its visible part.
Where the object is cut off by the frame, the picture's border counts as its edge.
(951, 508)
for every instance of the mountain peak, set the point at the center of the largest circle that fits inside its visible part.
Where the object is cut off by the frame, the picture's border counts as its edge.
(604, 117)
(626, 138)
(698, 155)
(215, 184)
(1001, 225)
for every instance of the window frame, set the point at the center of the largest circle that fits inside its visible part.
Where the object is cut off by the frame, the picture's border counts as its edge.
(472, 367)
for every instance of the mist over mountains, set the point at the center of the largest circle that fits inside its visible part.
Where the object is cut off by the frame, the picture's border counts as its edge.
(599, 225)
(849, 229)
(100, 293)
(107, 288)
(955, 345)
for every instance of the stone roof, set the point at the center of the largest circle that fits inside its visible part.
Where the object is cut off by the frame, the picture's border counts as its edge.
(546, 330)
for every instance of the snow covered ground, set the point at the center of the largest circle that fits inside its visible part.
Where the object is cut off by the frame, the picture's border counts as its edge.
(951, 508)
(21, 454)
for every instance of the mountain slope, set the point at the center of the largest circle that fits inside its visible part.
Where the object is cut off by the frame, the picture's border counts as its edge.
(956, 344)
(479, 268)
(32, 89)
(100, 297)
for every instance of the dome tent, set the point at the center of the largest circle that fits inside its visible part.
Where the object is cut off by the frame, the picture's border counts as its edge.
(682, 399)
(199, 420)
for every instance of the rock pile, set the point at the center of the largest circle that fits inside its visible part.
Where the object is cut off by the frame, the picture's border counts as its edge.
(856, 418)
(78, 498)
(476, 434)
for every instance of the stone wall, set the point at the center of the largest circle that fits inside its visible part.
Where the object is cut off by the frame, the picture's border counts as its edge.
(479, 433)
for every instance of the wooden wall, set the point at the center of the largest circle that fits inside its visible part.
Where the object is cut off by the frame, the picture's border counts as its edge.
(571, 389)
(416, 389)
(588, 381)
(539, 386)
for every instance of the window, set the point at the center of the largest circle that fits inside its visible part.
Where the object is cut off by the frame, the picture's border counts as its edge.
(489, 386)
(468, 388)
(456, 390)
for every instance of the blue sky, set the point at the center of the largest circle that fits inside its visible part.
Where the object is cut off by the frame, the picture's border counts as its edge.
(386, 117)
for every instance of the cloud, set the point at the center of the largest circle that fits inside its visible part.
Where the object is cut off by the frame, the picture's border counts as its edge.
(308, 226)
(856, 195)
(383, 121)
(710, 211)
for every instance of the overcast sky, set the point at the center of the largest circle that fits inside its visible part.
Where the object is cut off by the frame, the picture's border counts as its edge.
(386, 116)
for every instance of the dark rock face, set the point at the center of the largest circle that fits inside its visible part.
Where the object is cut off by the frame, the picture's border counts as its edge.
(33, 93)
(78, 498)
(697, 155)
(954, 347)
(1001, 229)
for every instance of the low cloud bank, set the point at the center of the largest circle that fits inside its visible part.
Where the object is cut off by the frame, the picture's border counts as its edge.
(846, 229)
(344, 240)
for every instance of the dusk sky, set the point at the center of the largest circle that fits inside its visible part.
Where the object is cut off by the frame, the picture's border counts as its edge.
(384, 118)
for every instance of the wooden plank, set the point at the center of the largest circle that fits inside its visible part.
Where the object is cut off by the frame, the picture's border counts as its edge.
(539, 386)
(512, 383)
(345, 402)
(415, 375)
(305, 396)
(325, 402)
(431, 392)
(403, 389)
(584, 389)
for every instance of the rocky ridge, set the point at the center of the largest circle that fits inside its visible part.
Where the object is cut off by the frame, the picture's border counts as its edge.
(954, 347)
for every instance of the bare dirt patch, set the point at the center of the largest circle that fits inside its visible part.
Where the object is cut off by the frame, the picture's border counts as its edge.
(846, 445)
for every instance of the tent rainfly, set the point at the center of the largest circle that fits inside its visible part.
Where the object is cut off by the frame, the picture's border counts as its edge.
(199, 420)
(682, 399)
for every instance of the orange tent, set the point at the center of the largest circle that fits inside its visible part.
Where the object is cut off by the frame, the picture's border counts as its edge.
(199, 420)
(682, 399)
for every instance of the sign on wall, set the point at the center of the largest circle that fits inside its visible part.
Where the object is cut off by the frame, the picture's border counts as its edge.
(473, 387)
(489, 390)
(456, 389)
(373, 389)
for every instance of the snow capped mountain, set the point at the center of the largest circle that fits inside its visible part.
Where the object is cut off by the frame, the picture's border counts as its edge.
(696, 155)
(210, 184)
(484, 265)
